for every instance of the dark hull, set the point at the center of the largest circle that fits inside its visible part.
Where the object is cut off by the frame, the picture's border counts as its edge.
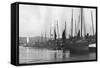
(78, 47)
(92, 49)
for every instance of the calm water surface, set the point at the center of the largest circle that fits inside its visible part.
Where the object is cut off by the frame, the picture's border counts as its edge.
(37, 55)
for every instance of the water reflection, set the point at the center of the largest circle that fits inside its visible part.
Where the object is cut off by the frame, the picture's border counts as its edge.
(37, 55)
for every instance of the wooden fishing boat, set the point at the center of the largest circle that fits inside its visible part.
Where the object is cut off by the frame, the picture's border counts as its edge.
(77, 44)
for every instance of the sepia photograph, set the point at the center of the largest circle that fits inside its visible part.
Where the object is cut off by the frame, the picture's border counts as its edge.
(56, 34)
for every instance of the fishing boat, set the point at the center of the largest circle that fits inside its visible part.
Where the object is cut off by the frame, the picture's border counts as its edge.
(91, 38)
(77, 44)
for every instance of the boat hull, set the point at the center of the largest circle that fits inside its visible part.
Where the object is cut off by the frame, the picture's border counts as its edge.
(78, 47)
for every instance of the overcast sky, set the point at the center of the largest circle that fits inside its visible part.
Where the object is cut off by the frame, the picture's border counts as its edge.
(35, 19)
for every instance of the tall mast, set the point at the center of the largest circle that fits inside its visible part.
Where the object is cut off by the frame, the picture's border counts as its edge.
(50, 31)
(55, 33)
(72, 24)
(64, 33)
(57, 29)
(84, 26)
(82, 23)
(65, 28)
(84, 30)
(75, 28)
(92, 22)
(81, 20)
(78, 24)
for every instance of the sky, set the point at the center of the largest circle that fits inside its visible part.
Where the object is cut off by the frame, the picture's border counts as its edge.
(35, 20)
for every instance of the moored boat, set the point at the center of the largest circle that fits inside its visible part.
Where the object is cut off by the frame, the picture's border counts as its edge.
(77, 44)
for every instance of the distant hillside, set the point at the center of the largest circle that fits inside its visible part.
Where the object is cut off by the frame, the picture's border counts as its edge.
(38, 39)
(22, 40)
(33, 39)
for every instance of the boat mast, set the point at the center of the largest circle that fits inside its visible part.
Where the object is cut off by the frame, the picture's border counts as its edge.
(81, 20)
(84, 30)
(64, 33)
(72, 24)
(84, 27)
(78, 25)
(57, 29)
(65, 28)
(92, 22)
(75, 29)
(50, 31)
(55, 33)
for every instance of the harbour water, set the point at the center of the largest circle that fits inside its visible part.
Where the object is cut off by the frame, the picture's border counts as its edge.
(40, 55)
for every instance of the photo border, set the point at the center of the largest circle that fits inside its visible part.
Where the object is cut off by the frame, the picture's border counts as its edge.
(15, 60)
